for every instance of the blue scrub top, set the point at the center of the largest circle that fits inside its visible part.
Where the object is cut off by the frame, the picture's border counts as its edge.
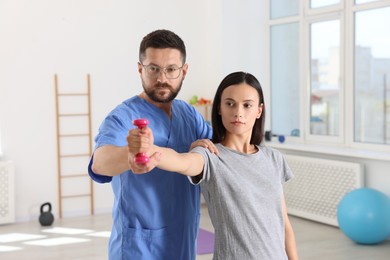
(155, 215)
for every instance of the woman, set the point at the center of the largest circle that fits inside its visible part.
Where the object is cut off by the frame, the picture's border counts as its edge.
(242, 182)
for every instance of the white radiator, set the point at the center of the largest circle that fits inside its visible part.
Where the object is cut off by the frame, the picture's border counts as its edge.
(7, 193)
(318, 187)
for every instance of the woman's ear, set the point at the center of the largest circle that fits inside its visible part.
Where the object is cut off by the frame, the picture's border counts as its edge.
(260, 110)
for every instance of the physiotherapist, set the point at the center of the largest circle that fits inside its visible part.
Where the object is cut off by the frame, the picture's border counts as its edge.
(155, 215)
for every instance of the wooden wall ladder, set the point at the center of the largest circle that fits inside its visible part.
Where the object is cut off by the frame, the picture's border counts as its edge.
(74, 147)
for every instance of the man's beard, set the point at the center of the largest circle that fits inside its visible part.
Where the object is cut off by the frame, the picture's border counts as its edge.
(153, 95)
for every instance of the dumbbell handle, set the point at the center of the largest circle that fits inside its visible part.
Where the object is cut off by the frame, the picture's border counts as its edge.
(141, 158)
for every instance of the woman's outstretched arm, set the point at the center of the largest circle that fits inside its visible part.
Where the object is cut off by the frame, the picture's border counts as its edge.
(190, 164)
(141, 141)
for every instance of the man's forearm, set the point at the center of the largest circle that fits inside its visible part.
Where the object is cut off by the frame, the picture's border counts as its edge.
(110, 160)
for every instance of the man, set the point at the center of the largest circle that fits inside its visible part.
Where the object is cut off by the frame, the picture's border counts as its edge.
(155, 215)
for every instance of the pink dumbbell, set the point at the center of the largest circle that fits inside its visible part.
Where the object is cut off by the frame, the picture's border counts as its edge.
(141, 158)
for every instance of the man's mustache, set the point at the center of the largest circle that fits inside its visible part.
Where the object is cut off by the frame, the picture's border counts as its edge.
(163, 85)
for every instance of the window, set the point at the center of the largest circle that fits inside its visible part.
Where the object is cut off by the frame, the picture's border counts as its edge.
(285, 78)
(324, 78)
(284, 8)
(285, 69)
(330, 62)
(372, 76)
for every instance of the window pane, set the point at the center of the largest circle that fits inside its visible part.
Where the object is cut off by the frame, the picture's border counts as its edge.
(324, 78)
(284, 8)
(285, 79)
(322, 3)
(372, 76)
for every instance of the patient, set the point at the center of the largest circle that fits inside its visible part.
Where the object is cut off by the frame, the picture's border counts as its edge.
(242, 185)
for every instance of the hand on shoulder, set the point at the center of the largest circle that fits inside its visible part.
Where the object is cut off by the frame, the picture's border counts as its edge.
(206, 143)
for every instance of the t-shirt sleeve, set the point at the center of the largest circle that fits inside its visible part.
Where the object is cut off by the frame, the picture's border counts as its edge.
(206, 168)
(286, 171)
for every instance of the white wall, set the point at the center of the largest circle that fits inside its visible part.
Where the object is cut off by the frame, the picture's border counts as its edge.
(72, 38)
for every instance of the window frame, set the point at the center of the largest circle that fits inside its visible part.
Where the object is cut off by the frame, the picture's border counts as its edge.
(322, 10)
(345, 13)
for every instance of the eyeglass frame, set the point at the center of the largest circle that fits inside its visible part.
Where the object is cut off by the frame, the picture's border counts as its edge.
(162, 69)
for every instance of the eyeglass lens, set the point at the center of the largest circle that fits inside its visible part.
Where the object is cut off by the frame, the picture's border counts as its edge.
(172, 72)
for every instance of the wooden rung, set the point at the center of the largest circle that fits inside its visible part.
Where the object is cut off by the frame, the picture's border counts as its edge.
(83, 114)
(75, 155)
(72, 94)
(76, 196)
(75, 175)
(72, 135)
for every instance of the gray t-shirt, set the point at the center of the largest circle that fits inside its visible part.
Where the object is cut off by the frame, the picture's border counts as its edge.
(244, 197)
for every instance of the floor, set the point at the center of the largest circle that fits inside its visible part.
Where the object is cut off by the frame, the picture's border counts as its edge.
(85, 238)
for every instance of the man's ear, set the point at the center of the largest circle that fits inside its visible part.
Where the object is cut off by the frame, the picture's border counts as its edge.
(184, 70)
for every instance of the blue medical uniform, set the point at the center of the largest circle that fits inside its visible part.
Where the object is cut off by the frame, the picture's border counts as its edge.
(155, 215)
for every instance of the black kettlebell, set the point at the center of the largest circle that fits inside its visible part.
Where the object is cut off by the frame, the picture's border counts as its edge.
(46, 218)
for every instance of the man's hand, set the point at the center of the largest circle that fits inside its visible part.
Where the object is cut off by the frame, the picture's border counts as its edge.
(141, 141)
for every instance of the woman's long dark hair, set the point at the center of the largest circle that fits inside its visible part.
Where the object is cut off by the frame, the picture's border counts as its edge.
(235, 78)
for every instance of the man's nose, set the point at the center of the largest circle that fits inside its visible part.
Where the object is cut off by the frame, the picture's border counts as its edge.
(161, 76)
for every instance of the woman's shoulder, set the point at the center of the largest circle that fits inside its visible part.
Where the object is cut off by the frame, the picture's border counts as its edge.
(269, 151)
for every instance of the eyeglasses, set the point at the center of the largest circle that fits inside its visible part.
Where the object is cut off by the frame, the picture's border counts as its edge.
(171, 72)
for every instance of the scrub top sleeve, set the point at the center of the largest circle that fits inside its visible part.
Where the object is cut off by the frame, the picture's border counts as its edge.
(113, 131)
(204, 128)
(97, 177)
